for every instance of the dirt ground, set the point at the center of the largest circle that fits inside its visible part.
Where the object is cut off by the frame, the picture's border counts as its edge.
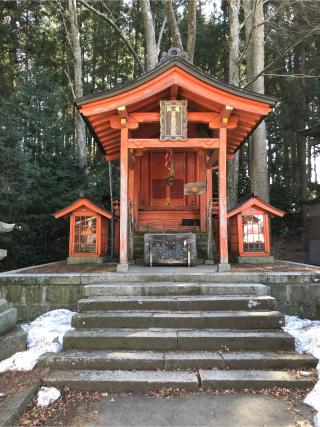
(268, 408)
(14, 380)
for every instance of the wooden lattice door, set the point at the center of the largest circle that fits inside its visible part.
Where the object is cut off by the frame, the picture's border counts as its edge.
(163, 194)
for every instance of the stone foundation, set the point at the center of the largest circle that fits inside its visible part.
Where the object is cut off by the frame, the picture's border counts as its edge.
(255, 259)
(86, 260)
(34, 294)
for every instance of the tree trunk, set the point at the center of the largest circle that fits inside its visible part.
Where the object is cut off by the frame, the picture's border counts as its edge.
(192, 23)
(172, 24)
(255, 64)
(80, 128)
(150, 37)
(301, 143)
(234, 78)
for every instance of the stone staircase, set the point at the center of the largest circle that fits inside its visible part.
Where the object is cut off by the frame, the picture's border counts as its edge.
(12, 337)
(140, 336)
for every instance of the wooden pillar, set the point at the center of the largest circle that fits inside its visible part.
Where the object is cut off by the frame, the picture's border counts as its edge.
(222, 186)
(209, 214)
(124, 163)
(131, 204)
(203, 197)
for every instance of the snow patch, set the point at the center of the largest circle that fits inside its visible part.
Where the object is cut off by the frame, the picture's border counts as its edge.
(47, 395)
(45, 334)
(307, 340)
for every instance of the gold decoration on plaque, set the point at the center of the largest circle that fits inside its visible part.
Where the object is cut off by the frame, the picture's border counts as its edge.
(194, 188)
(173, 120)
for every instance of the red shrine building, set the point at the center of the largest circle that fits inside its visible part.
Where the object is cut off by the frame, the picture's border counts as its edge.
(173, 130)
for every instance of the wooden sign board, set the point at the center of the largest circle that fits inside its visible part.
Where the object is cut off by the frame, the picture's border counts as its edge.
(173, 120)
(194, 188)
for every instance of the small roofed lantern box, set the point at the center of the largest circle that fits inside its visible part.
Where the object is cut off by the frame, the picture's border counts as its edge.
(88, 239)
(249, 230)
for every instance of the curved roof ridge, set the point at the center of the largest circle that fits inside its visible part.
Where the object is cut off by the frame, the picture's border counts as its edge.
(186, 66)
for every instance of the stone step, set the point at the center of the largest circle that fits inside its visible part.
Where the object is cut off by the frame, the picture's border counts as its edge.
(12, 342)
(173, 275)
(3, 305)
(8, 320)
(180, 319)
(173, 339)
(240, 379)
(173, 288)
(191, 303)
(148, 360)
(122, 381)
(143, 381)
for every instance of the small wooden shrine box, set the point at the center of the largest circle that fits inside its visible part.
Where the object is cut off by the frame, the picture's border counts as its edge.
(249, 230)
(88, 240)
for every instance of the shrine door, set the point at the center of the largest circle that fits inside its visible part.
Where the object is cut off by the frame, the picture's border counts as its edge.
(163, 194)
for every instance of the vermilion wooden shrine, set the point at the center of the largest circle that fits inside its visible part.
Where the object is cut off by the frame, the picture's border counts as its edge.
(249, 229)
(167, 180)
(88, 238)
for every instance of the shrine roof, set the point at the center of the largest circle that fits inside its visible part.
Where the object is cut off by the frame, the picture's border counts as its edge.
(82, 201)
(203, 92)
(185, 65)
(252, 200)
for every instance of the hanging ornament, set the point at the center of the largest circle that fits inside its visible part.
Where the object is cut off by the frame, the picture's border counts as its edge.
(169, 163)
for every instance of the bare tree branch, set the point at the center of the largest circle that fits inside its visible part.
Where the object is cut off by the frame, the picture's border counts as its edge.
(292, 46)
(115, 27)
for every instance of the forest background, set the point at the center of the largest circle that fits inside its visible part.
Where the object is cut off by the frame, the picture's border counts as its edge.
(52, 50)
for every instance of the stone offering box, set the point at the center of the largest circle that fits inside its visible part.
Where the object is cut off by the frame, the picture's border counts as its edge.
(170, 249)
(249, 230)
(88, 240)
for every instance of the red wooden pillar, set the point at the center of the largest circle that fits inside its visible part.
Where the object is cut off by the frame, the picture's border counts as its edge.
(124, 163)
(209, 214)
(222, 185)
(203, 197)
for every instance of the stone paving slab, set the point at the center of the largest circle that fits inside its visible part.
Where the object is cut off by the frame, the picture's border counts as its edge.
(172, 289)
(119, 339)
(172, 360)
(122, 381)
(173, 339)
(179, 319)
(183, 302)
(240, 379)
(235, 340)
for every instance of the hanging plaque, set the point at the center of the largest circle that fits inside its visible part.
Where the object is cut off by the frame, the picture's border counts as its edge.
(173, 120)
(194, 188)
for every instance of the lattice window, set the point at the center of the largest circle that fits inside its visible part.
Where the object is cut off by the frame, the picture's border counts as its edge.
(177, 189)
(253, 233)
(159, 188)
(85, 239)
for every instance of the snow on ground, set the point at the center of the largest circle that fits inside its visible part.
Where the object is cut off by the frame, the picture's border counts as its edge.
(307, 338)
(45, 334)
(47, 395)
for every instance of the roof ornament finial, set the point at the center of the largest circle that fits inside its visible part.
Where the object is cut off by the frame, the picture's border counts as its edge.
(173, 52)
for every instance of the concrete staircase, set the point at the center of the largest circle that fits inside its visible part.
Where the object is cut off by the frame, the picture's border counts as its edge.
(12, 337)
(140, 336)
